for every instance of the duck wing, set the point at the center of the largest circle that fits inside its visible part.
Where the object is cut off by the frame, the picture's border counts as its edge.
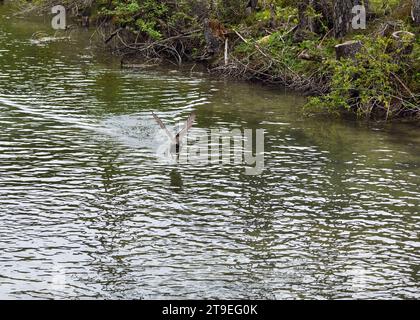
(162, 126)
(188, 124)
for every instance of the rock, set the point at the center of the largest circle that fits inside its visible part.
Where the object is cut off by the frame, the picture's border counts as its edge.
(347, 49)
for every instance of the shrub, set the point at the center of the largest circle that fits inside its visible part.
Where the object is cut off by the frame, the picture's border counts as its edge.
(372, 84)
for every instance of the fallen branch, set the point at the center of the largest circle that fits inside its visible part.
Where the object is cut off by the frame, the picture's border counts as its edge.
(112, 35)
(403, 84)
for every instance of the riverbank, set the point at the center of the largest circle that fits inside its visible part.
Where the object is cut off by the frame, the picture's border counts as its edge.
(275, 42)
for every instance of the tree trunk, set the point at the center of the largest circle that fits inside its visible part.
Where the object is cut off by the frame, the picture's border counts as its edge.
(214, 34)
(311, 24)
(326, 9)
(305, 22)
(404, 42)
(253, 4)
(415, 12)
(343, 15)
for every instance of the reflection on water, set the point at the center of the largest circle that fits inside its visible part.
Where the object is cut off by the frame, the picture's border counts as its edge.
(87, 211)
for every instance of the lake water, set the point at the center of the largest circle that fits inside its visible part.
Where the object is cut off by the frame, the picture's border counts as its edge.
(88, 210)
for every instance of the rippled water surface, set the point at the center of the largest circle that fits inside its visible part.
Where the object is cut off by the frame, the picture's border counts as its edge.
(87, 211)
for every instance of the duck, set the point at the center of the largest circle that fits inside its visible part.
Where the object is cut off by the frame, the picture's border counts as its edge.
(176, 141)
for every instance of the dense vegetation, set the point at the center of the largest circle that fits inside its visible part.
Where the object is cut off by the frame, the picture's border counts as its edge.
(278, 41)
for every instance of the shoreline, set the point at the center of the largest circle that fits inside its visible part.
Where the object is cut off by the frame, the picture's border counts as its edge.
(379, 82)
